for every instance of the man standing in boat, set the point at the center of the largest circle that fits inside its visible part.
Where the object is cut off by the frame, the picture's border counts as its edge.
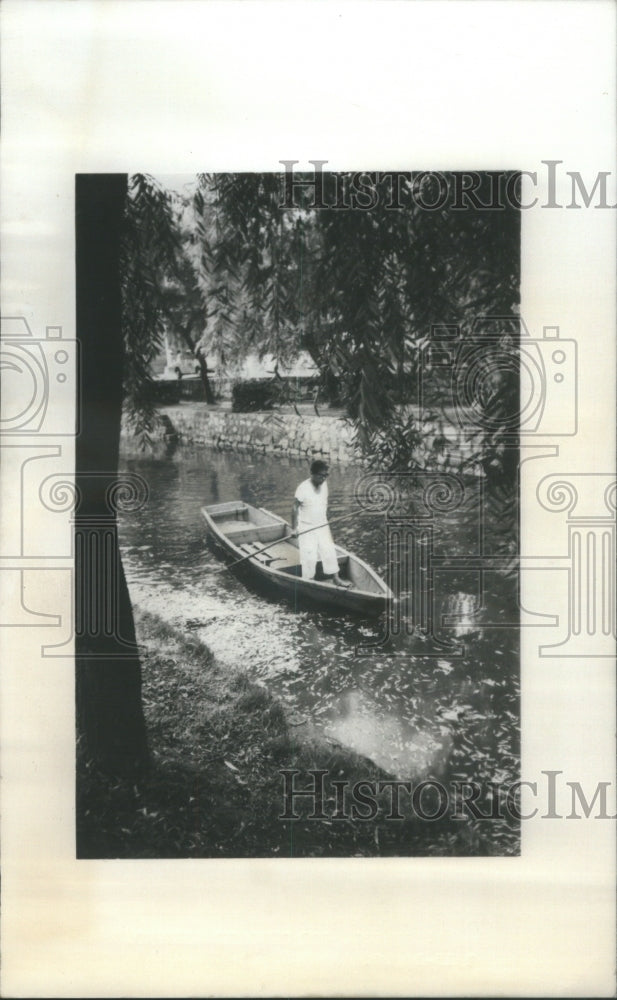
(309, 510)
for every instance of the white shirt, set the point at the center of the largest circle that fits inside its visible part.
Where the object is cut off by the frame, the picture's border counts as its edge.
(313, 503)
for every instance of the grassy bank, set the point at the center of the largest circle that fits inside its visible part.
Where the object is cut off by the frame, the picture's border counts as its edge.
(218, 744)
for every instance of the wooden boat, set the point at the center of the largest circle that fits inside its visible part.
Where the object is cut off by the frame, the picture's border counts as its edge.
(241, 529)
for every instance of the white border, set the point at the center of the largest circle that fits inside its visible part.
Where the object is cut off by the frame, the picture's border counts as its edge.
(187, 86)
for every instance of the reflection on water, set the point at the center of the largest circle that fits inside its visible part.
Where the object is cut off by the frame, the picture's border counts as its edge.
(388, 739)
(451, 716)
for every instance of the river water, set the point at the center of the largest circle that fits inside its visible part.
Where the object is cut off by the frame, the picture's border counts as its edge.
(453, 715)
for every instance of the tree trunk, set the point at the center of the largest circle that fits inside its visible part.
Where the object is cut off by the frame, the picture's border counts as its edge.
(203, 371)
(110, 720)
(203, 365)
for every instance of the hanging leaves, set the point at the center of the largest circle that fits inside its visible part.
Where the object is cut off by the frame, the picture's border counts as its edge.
(360, 289)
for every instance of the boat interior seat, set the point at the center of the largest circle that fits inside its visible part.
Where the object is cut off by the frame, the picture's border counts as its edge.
(238, 526)
(285, 557)
(244, 532)
(286, 561)
(252, 548)
(290, 562)
(282, 555)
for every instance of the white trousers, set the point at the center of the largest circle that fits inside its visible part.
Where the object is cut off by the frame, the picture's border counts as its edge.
(317, 545)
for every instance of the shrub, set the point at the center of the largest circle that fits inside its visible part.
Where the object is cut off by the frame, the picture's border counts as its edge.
(165, 393)
(254, 394)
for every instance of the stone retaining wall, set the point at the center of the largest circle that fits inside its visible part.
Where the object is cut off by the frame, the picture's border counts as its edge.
(267, 433)
(445, 444)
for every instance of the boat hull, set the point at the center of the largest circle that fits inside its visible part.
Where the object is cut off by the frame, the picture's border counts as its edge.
(241, 529)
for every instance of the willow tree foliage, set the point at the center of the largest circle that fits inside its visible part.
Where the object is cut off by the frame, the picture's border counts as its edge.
(161, 291)
(252, 257)
(363, 290)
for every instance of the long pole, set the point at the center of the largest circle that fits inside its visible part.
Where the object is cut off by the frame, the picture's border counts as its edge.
(342, 517)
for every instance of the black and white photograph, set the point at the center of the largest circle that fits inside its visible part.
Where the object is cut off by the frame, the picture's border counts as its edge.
(307, 466)
(314, 483)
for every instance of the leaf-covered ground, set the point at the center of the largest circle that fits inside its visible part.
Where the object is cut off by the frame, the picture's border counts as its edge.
(218, 743)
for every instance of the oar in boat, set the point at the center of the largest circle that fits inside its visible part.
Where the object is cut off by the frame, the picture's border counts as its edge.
(326, 524)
